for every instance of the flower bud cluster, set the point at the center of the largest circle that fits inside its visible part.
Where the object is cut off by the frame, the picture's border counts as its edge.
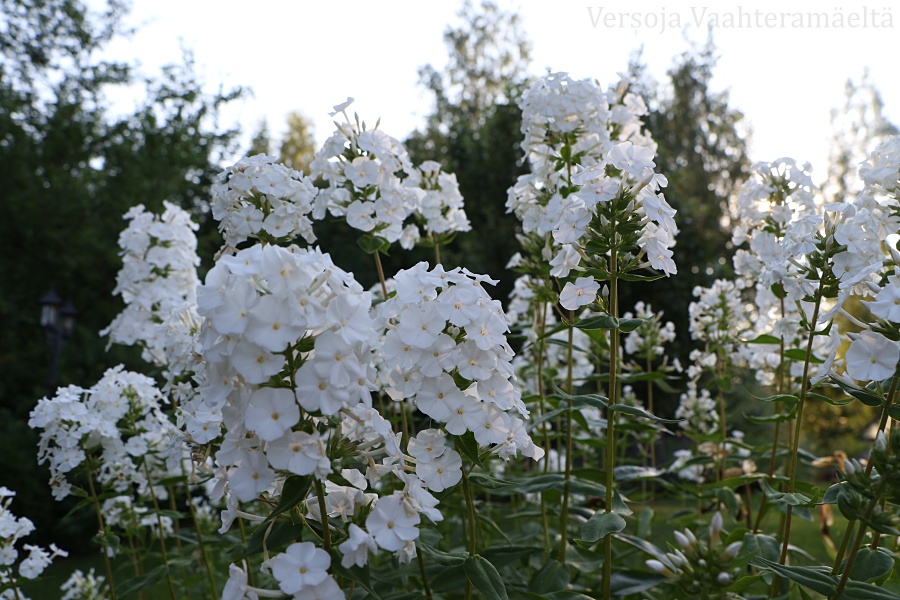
(701, 567)
(648, 340)
(83, 586)
(118, 425)
(259, 198)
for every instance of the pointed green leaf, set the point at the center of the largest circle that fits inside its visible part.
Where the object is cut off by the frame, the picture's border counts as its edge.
(817, 579)
(640, 412)
(602, 524)
(598, 322)
(485, 578)
(858, 590)
(135, 584)
(764, 339)
(552, 577)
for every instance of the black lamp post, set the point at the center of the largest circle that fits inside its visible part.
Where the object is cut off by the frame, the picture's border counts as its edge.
(58, 323)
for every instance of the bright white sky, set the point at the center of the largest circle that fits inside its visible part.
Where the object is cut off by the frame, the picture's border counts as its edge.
(308, 56)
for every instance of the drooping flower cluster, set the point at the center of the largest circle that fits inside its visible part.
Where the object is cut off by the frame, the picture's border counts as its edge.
(13, 529)
(117, 425)
(445, 347)
(260, 198)
(158, 283)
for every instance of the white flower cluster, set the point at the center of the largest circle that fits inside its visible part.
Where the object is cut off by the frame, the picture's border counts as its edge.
(441, 204)
(121, 417)
(373, 184)
(881, 171)
(601, 133)
(445, 347)
(717, 319)
(81, 586)
(12, 529)
(158, 283)
(268, 309)
(258, 197)
(647, 341)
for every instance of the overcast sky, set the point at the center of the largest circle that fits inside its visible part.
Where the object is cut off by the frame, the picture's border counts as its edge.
(782, 66)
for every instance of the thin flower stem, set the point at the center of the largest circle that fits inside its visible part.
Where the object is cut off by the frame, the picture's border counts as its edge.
(425, 586)
(381, 274)
(109, 579)
(203, 553)
(564, 511)
(162, 538)
(795, 442)
(323, 513)
(246, 560)
(610, 417)
(470, 505)
(437, 249)
(542, 395)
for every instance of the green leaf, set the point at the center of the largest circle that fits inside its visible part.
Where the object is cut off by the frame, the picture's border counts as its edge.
(764, 339)
(371, 244)
(443, 558)
(865, 396)
(626, 583)
(800, 356)
(294, 492)
(466, 444)
(552, 577)
(794, 498)
(281, 533)
(629, 325)
(135, 584)
(602, 524)
(871, 564)
(598, 322)
(485, 578)
(866, 591)
(640, 412)
(817, 579)
(631, 472)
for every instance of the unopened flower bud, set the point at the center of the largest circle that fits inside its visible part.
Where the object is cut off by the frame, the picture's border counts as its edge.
(716, 524)
(733, 549)
(880, 442)
(849, 469)
(682, 540)
(723, 578)
(655, 566)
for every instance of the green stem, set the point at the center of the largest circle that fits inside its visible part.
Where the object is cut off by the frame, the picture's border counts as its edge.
(109, 578)
(162, 537)
(470, 506)
(203, 553)
(564, 512)
(610, 417)
(425, 586)
(323, 513)
(860, 536)
(437, 249)
(882, 424)
(381, 274)
(795, 443)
